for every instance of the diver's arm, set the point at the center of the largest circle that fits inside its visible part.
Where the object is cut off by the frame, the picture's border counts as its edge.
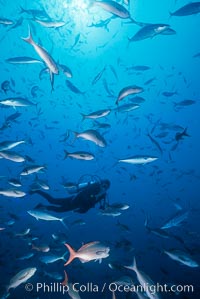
(88, 198)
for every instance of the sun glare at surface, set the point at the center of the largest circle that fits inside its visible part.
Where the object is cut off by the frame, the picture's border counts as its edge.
(78, 10)
(79, 4)
(84, 20)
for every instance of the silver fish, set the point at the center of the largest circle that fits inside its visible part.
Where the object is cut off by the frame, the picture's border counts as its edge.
(23, 60)
(127, 107)
(138, 160)
(149, 31)
(96, 114)
(66, 70)
(15, 183)
(6, 145)
(44, 55)
(12, 156)
(184, 103)
(144, 280)
(109, 211)
(25, 257)
(157, 231)
(88, 252)
(23, 233)
(188, 9)
(182, 257)
(79, 155)
(93, 136)
(42, 215)
(41, 248)
(21, 277)
(114, 8)
(119, 206)
(32, 169)
(50, 24)
(12, 193)
(42, 184)
(51, 258)
(35, 13)
(6, 21)
(17, 102)
(175, 220)
(73, 293)
(127, 91)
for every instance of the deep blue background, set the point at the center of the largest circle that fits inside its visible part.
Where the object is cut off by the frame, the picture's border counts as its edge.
(153, 187)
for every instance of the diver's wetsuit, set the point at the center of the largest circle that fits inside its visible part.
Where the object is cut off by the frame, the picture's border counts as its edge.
(81, 202)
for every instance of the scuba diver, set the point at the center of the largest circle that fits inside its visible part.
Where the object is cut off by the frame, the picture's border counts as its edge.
(86, 196)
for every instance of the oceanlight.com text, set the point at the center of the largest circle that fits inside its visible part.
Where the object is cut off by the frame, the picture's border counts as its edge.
(152, 289)
(90, 287)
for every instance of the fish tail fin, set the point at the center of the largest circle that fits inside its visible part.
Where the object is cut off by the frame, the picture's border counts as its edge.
(45, 168)
(66, 154)
(63, 257)
(162, 251)
(33, 246)
(133, 266)
(95, 123)
(29, 141)
(147, 133)
(133, 21)
(51, 80)
(66, 136)
(83, 116)
(22, 10)
(29, 39)
(128, 44)
(63, 223)
(36, 105)
(42, 71)
(176, 107)
(146, 221)
(72, 254)
(75, 137)
(116, 163)
(186, 133)
(146, 224)
(65, 281)
(106, 27)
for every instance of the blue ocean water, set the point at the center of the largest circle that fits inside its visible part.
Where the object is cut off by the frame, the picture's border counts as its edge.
(95, 46)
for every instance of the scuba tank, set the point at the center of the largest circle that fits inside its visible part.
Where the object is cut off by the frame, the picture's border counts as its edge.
(84, 182)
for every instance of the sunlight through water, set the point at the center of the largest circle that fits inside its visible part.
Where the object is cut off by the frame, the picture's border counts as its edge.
(78, 10)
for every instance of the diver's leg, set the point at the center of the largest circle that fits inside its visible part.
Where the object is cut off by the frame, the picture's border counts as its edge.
(49, 198)
(54, 209)
(65, 204)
